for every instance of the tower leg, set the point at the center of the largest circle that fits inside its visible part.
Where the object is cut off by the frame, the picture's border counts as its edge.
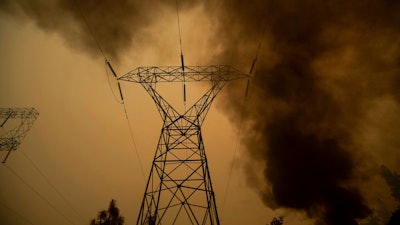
(179, 189)
(5, 158)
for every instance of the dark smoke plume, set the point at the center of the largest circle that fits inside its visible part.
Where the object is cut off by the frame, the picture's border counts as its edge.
(113, 23)
(322, 65)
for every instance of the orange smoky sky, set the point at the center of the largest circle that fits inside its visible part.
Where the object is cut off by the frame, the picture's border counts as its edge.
(321, 117)
(81, 140)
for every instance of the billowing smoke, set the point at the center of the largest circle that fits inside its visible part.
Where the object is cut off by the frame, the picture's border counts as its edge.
(321, 70)
(114, 24)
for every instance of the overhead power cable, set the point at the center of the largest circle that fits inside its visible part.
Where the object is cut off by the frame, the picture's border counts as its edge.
(108, 64)
(39, 195)
(134, 143)
(234, 153)
(89, 29)
(182, 58)
(127, 119)
(247, 96)
(17, 214)
(180, 36)
(52, 186)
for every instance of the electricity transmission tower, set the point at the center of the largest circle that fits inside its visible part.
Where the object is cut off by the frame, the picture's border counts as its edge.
(179, 188)
(18, 121)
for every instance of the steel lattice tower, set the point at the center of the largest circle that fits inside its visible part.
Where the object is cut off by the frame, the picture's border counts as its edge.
(179, 188)
(10, 140)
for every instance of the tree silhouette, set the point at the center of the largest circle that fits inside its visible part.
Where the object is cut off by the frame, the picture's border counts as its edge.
(109, 217)
(395, 219)
(277, 221)
(393, 181)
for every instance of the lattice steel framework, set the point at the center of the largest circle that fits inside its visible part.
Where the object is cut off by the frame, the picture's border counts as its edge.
(10, 140)
(179, 188)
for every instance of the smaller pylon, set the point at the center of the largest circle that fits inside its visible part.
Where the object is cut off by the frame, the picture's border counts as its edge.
(23, 119)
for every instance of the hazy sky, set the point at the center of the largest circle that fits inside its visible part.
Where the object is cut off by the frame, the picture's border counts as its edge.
(81, 141)
(323, 113)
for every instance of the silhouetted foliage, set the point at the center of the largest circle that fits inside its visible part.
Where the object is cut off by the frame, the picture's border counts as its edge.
(109, 217)
(151, 220)
(277, 221)
(395, 219)
(393, 180)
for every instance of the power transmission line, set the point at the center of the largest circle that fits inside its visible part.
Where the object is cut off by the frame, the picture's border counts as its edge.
(115, 75)
(89, 29)
(134, 143)
(38, 194)
(126, 115)
(247, 96)
(179, 28)
(17, 214)
(51, 185)
(234, 155)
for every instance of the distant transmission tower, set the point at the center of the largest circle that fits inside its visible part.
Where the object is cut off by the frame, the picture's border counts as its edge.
(16, 122)
(179, 188)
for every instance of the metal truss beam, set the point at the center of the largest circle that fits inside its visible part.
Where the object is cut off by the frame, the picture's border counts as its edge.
(155, 74)
(179, 189)
(10, 140)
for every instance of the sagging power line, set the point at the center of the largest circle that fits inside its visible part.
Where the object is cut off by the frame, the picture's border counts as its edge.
(108, 64)
(242, 113)
(39, 195)
(52, 185)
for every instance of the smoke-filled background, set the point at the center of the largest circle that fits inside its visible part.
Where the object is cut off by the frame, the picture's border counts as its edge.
(325, 108)
(322, 114)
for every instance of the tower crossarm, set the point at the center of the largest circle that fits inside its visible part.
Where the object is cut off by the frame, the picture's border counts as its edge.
(11, 113)
(14, 135)
(154, 74)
